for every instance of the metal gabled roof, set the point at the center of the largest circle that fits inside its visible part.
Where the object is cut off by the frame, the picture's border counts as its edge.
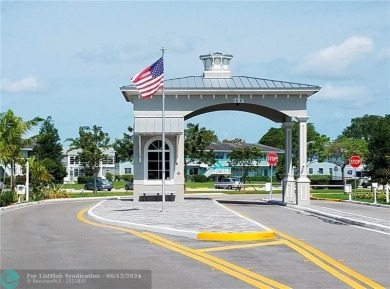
(233, 82)
(225, 146)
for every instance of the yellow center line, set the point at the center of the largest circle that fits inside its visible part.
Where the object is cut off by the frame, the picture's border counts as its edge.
(294, 243)
(324, 266)
(226, 267)
(242, 246)
(222, 262)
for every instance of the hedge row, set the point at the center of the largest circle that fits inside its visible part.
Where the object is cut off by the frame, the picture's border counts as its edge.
(110, 177)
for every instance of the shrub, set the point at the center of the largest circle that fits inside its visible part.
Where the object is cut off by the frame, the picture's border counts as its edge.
(7, 198)
(127, 178)
(199, 178)
(320, 180)
(84, 179)
(117, 178)
(109, 177)
(380, 196)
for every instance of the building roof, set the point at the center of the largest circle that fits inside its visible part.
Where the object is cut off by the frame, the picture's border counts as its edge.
(233, 82)
(224, 146)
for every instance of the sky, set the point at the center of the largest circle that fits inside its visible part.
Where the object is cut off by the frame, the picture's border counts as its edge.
(68, 59)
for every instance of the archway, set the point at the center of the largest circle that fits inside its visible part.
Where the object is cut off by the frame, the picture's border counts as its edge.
(280, 101)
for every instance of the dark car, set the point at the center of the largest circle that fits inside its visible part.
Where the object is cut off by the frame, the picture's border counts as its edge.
(129, 185)
(101, 185)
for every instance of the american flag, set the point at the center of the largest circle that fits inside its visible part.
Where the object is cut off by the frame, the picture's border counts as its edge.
(150, 80)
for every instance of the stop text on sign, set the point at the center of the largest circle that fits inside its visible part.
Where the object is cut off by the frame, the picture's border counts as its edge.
(355, 161)
(272, 158)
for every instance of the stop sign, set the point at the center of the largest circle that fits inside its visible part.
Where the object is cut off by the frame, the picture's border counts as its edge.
(272, 158)
(355, 161)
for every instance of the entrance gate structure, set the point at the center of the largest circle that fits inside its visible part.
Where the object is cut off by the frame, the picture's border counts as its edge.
(216, 90)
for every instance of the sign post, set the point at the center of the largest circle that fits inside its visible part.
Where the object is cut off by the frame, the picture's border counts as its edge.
(355, 162)
(272, 160)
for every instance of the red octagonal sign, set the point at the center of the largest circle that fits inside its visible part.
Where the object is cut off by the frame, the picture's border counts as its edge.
(272, 158)
(355, 161)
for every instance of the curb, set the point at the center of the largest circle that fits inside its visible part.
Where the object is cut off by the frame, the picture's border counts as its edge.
(202, 236)
(19, 206)
(346, 220)
(236, 236)
(59, 200)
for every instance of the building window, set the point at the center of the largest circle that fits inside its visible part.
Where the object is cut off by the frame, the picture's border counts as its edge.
(320, 171)
(331, 171)
(219, 155)
(128, 171)
(155, 161)
(310, 171)
(74, 160)
(108, 160)
(194, 171)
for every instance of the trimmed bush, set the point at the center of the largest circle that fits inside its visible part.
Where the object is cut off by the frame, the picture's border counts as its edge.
(109, 177)
(127, 178)
(199, 178)
(320, 180)
(7, 198)
(84, 179)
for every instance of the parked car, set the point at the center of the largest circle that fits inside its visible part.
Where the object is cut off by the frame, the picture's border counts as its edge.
(129, 185)
(101, 185)
(229, 183)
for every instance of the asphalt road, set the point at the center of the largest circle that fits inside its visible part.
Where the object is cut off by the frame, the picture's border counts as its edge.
(49, 236)
(366, 251)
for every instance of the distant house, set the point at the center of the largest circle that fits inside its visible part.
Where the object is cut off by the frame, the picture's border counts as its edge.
(5, 169)
(74, 168)
(223, 167)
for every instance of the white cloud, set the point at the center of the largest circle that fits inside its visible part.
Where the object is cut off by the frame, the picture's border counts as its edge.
(28, 83)
(133, 52)
(334, 60)
(350, 96)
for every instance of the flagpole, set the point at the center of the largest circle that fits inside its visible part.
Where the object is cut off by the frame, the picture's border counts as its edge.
(163, 139)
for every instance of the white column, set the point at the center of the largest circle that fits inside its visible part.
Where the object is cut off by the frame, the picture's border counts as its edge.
(288, 180)
(303, 182)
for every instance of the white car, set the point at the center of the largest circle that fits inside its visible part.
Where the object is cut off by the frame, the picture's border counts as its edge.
(229, 183)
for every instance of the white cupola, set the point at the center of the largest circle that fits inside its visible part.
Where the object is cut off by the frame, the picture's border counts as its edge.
(216, 65)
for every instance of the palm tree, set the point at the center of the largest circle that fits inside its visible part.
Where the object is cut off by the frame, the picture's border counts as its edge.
(12, 131)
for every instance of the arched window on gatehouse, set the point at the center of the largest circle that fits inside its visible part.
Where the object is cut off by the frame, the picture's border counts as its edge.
(154, 160)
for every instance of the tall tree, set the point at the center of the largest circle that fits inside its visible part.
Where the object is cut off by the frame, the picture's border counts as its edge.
(196, 141)
(247, 157)
(91, 143)
(124, 147)
(316, 142)
(48, 150)
(378, 157)
(362, 127)
(339, 151)
(12, 131)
